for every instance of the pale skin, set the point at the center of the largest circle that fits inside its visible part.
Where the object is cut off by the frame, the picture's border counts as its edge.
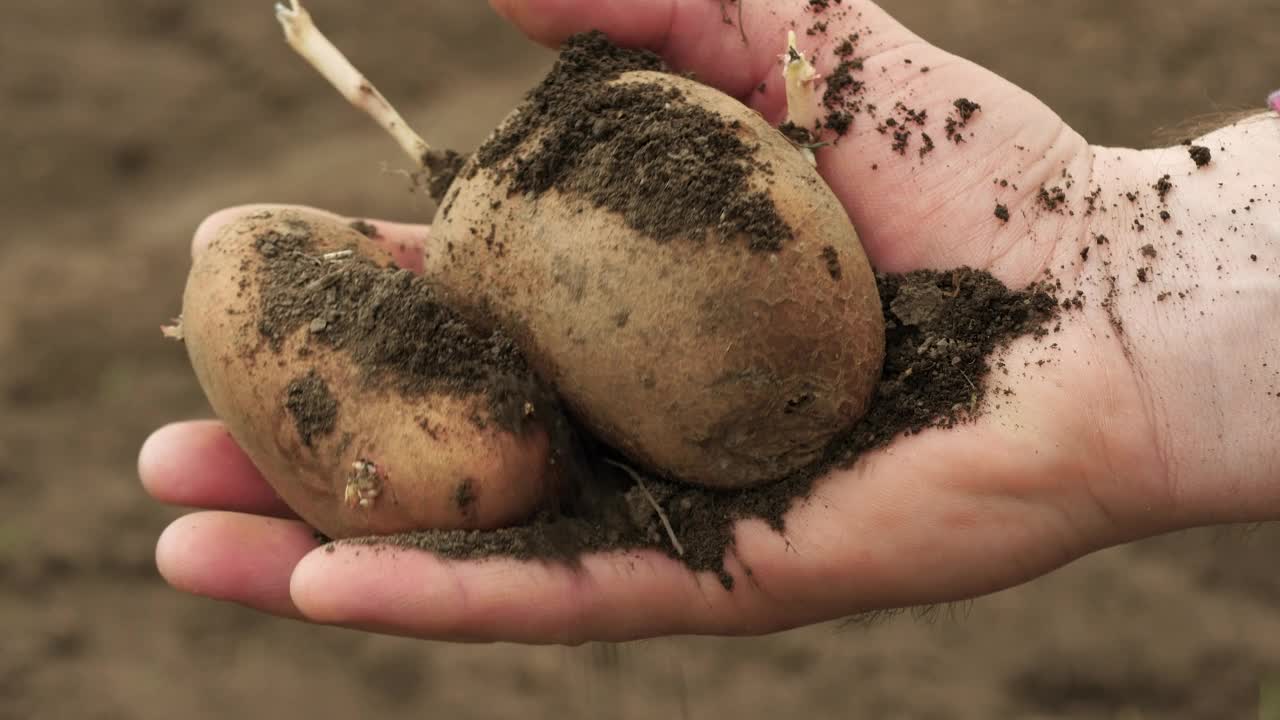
(1112, 439)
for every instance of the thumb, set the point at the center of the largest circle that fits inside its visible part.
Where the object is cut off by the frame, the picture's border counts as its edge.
(914, 171)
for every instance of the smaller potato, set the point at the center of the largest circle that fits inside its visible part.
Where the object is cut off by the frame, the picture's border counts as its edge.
(367, 405)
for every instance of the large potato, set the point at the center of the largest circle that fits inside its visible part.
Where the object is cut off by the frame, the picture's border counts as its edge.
(298, 333)
(701, 358)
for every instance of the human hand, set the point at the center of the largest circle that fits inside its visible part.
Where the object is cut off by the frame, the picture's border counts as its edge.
(1094, 448)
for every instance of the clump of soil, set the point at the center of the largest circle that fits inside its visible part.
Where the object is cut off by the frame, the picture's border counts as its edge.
(942, 331)
(442, 167)
(965, 109)
(840, 97)
(1051, 198)
(670, 168)
(390, 324)
(799, 136)
(1201, 155)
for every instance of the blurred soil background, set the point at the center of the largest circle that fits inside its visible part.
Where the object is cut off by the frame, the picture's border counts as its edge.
(124, 122)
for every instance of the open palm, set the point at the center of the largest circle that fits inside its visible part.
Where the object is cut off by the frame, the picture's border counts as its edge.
(939, 516)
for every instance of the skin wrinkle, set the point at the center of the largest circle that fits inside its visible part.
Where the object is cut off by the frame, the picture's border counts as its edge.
(1100, 428)
(1140, 380)
(583, 617)
(1053, 253)
(1059, 253)
(768, 596)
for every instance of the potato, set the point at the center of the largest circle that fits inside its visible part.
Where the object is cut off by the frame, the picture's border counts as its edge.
(700, 357)
(326, 365)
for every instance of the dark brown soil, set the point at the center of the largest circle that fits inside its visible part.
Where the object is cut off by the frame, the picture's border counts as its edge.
(1052, 198)
(312, 406)
(1201, 155)
(965, 109)
(840, 97)
(671, 168)
(442, 167)
(389, 322)
(800, 136)
(942, 329)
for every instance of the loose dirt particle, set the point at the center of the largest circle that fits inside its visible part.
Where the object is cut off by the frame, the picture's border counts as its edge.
(1201, 155)
(901, 138)
(965, 109)
(1002, 212)
(1052, 198)
(839, 122)
(928, 144)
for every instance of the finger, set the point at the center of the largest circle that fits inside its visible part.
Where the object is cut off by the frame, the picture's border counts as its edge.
(614, 597)
(198, 464)
(784, 581)
(243, 559)
(403, 241)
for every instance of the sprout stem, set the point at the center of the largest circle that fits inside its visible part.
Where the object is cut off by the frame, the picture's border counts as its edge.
(305, 38)
(173, 330)
(800, 77)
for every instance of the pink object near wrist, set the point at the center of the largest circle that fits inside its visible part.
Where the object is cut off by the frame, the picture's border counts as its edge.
(1274, 101)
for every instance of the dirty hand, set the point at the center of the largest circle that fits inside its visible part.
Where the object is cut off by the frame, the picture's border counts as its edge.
(1151, 414)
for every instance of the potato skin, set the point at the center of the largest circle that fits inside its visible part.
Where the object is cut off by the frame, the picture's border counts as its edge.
(389, 464)
(701, 360)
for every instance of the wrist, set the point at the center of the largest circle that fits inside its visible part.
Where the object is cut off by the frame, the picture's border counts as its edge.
(1188, 271)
